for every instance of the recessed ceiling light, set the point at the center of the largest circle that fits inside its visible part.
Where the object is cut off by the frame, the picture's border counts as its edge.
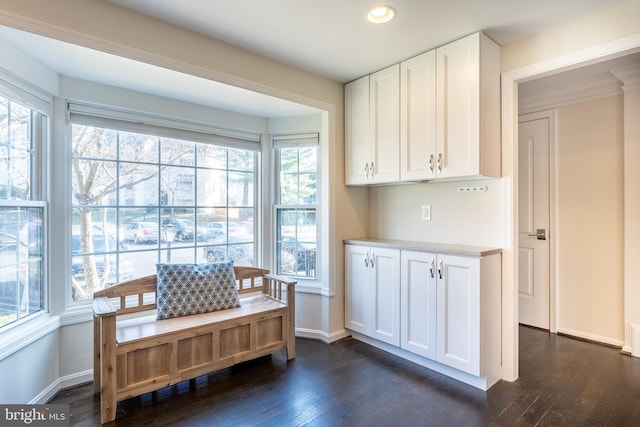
(381, 13)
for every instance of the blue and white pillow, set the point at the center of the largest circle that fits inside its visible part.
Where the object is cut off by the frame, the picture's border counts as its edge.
(185, 289)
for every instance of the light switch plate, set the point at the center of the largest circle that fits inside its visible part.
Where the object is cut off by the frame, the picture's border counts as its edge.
(426, 212)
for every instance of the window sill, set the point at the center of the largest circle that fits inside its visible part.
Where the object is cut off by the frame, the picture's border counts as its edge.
(316, 288)
(29, 331)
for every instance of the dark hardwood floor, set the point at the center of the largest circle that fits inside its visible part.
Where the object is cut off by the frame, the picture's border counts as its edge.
(563, 382)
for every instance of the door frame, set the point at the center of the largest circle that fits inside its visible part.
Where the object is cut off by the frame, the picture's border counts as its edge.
(552, 233)
(509, 100)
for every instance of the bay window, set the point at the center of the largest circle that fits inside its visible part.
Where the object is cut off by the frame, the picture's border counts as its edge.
(142, 195)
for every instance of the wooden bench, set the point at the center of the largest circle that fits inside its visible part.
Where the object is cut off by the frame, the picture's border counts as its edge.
(134, 353)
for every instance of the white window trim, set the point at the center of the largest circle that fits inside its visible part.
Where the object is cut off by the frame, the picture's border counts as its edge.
(300, 139)
(17, 335)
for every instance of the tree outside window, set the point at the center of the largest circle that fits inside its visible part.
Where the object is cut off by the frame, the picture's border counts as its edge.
(128, 188)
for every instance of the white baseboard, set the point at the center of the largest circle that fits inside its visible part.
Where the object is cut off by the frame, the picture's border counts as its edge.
(591, 337)
(60, 384)
(321, 335)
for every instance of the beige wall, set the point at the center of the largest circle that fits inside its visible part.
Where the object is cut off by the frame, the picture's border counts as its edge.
(610, 23)
(457, 218)
(590, 227)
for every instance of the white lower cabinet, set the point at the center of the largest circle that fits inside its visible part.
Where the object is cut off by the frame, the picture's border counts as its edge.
(418, 303)
(458, 310)
(372, 298)
(448, 308)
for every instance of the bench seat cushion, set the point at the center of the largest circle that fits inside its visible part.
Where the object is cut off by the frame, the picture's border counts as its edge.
(148, 327)
(187, 289)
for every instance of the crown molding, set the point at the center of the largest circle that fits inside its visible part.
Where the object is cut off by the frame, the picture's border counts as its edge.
(629, 76)
(601, 86)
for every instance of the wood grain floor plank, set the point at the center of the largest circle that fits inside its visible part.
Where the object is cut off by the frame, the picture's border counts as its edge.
(563, 382)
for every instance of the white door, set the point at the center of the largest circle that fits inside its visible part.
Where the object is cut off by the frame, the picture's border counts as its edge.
(533, 219)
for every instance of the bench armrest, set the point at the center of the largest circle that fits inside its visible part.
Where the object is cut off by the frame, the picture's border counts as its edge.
(285, 280)
(102, 307)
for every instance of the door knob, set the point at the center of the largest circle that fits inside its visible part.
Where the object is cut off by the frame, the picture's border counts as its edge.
(541, 234)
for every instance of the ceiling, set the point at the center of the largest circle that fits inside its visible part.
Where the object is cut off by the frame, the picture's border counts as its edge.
(331, 38)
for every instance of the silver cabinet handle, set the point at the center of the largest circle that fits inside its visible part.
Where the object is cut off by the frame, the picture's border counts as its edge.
(372, 169)
(439, 162)
(366, 259)
(366, 169)
(373, 257)
(440, 268)
(431, 163)
(432, 268)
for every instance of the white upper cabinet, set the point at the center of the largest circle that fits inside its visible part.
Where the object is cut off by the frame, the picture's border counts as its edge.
(434, 116)
(468, 108)
(418, 118)
(358, 149)
(372, 128)
(384, 108)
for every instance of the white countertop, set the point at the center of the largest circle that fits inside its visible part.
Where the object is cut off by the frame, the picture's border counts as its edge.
(464, 250)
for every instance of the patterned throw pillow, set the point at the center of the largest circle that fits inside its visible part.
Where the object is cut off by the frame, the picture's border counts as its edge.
(185, 289)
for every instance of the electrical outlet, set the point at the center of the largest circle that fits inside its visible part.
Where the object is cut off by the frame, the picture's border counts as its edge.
(426, 212)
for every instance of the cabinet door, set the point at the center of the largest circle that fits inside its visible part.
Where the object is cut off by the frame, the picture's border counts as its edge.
(458, 93)
(459, 312)
(358, 152)
(358, 289)
(418, 303)
(384, 124)
(385, 268)
(418, 117)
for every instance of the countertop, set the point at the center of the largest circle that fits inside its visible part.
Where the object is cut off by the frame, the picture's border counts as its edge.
(464, 250)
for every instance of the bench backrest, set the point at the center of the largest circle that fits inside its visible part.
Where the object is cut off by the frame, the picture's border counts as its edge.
(140, 294)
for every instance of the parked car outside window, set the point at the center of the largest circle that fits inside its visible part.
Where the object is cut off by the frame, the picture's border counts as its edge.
(141, 232)
(185, 228)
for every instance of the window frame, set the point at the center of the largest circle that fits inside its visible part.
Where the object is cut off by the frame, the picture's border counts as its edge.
(297, 140)
(24, 331)
(120, 121)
